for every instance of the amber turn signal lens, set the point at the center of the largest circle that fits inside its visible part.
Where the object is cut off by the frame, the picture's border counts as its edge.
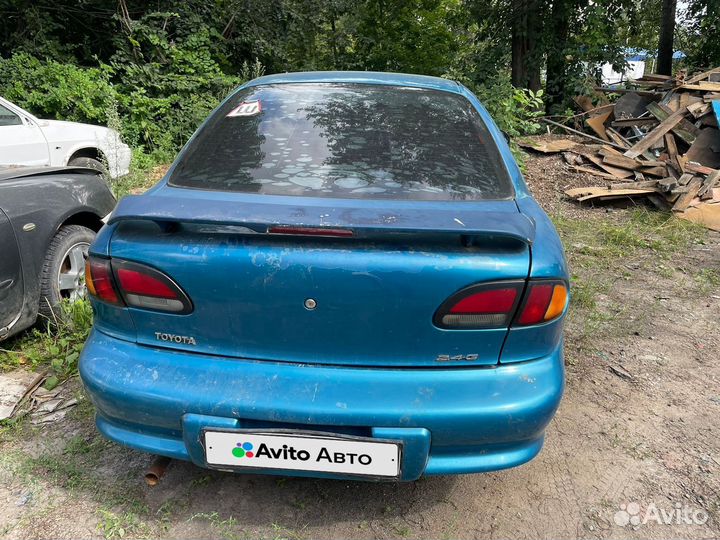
(557, 302)
(88, 280)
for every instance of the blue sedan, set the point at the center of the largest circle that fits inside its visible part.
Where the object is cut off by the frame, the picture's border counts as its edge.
(342, 275)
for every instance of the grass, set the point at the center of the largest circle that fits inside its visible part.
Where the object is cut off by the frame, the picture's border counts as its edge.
(55, 347)
(604, 253)
(113, 525)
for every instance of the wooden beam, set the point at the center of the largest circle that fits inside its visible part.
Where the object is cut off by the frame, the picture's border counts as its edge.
(671, 148)
(686, 198)
(697, 168)
(644, 93)
(588, 170)
(615, 171)
(702, 76)
(597, 124)
(630, 122)
(623, 162)
(708, 184)
(685, 130)
(702, 87)
(576, 132)
(656, 134)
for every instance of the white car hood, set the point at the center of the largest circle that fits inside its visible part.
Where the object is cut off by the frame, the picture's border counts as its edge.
(62, 130)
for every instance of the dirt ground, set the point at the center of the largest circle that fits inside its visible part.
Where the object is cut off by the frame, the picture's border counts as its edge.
(637, 435)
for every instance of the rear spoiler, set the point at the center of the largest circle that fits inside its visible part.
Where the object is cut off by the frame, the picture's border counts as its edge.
(483, 218)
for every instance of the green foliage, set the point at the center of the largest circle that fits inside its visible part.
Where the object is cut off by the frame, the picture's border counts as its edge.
(167, 87)
(165, 65)
(57, 346)
(51, 89)
(700, 41)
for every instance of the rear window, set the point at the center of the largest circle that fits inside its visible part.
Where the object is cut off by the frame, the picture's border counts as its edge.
(346, 141)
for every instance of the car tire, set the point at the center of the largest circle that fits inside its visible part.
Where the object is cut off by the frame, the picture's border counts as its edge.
(90, 163)
(63, 271)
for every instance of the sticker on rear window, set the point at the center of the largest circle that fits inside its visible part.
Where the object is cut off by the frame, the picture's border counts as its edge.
(246, 108)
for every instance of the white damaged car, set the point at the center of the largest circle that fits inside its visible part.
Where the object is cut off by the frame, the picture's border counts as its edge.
(30, 141)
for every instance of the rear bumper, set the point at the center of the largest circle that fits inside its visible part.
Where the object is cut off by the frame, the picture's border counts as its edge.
(451, 421)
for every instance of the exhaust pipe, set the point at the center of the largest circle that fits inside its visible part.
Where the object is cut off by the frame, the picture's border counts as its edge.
(156, 470)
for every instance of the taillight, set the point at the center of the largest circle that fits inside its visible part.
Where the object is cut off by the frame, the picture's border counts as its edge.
(99, 281)
(135, 285)
(544, 301)
(496, 305)
(488, 305)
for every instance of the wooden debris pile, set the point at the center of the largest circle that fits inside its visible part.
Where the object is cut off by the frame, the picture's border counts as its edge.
(659, 140)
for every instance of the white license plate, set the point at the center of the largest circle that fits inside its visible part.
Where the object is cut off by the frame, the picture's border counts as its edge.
(302, 452)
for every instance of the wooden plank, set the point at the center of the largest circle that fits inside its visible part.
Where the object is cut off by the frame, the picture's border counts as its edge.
(685, 179)
(656, 134)
(684, 99)
(597, 124)
(630, 122)
(615, 171)
(702, 87)
(634, 185)
(588, 170)
(708, 184)
(686, 198)
(576, 132)
(547, 147)
(622, 162)
(609, 151)
(699, 109)
(617, 138)
(672, 151)
(667, 184)
(586, 194)
(654, 77)
(702, 76)
(698, 168)
(646, 93)
(685, 130)
(655, 171)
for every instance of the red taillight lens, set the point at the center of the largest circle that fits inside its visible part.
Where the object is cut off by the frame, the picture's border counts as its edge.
(499, 301)
(147, 288)
(544, 301)
(480, 306)
(124, 283)
(134, 282)
(99, 281)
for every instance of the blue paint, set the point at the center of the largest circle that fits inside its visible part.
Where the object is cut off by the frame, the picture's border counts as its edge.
(716, 110)
(263, 361)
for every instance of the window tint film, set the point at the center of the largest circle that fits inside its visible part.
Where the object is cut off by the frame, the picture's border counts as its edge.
(346, 141)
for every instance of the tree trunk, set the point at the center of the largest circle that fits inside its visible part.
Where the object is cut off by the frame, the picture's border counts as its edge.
(667, 33)
(557, 72)
(519, 77)
(526, 58)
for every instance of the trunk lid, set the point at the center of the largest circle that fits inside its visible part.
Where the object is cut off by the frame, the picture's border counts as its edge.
(374, 294)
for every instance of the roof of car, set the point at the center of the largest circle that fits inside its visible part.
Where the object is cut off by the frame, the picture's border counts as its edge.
(360, 77)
